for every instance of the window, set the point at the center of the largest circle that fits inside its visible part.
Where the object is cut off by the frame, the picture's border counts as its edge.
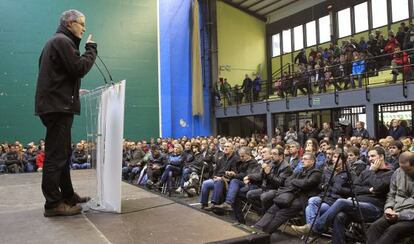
(287, 41)
(311, 33)
(298, 37)
(344, 22)
(379, 13)
(361, 17)
(399, 10)
(324, 29)
(276, 45)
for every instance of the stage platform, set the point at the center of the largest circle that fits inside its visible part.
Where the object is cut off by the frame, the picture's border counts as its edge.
(147, 217)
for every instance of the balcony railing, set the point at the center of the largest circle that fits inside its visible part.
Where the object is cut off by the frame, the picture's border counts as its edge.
(378, 71)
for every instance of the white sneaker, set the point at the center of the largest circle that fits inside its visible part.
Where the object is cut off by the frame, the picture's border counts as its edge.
(179, 190)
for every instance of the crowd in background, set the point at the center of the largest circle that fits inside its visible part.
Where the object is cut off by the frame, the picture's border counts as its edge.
(16, 158)
(340, 67)
(281, 177)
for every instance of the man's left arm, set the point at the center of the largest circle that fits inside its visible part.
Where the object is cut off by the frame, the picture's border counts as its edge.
(75, 64)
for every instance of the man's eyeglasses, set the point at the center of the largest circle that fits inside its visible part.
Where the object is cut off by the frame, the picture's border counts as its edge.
(80, 23)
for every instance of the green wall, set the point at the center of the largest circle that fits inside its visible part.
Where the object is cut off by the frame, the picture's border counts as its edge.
(126, 33)
(241, 43)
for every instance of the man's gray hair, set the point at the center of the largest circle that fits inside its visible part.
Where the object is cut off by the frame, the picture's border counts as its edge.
(296, 144)
(223, 140)
(246, 150)
(70, 16)
(309, 155)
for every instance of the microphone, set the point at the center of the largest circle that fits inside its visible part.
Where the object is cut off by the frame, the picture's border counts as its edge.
(100, 71)
(107, 71)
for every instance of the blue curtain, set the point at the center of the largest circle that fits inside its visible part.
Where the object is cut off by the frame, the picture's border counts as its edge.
(175, 68)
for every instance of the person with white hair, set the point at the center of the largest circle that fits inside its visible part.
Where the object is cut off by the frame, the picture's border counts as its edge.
(61, 67)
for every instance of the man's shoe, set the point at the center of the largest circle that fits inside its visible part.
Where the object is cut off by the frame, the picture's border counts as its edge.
(77, 199)
(63, 209)
(224, 206)
(179, 190)
(301, 230)
(208, 208)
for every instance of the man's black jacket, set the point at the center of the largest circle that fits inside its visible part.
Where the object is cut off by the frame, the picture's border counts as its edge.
(60, 69)
(276, 178)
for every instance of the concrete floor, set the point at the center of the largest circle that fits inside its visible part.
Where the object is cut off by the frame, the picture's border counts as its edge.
(148, 217)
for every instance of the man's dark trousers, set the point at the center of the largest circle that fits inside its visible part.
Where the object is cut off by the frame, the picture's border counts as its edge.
(56, 182)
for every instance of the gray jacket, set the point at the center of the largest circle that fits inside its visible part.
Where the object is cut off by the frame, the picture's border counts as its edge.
(401, 195)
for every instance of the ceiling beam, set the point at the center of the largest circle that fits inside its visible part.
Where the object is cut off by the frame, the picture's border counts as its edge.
(240, 3)
(278, 8)
(254, 4)
(267, 5)
(260, 17)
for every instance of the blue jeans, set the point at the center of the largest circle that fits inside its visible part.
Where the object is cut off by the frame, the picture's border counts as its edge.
(136, 170)
(168, 174)
(3, 168)
(185, 176)
(312, 208)
(81, 166)
(369, 211)
(234, 188)
(28, 167)
(218, 188)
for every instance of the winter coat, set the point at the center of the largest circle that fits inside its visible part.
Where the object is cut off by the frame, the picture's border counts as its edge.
(379, 180)
(276, 178)
(60, 69)
(401, 195)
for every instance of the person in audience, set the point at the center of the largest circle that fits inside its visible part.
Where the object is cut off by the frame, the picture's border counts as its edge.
(175, 163)
(395, 150)
(202, 165)
(326, 132)
(40, 158)
(358, 69)
(225, 163)
(3, 167)
(238, 178)
(398, 219)
(79, 159)
(12, 161)
(291, 136)
(301, 57)
(155, 165)
(136, 163)
(247, 88)
(225, 89)
(257, 87)
(400, 63)
(331, 190)
(360, 131)
(354, 163)
(370, 188)
(391, 44)
(301, 82)
(311, 146)
(29, 159)
(274, 171)
(396, 131)
(292, 198)
(294, 158)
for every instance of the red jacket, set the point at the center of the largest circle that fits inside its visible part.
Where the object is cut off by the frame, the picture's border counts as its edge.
(402, 60)
(40, 158)
(390, 45)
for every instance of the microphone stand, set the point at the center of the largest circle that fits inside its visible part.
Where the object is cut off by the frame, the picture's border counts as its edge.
(106, 68)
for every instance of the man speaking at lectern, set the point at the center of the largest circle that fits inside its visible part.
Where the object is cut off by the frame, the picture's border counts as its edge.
(57, 100)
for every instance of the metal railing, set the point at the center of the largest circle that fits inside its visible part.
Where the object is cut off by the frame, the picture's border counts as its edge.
(299, 84)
